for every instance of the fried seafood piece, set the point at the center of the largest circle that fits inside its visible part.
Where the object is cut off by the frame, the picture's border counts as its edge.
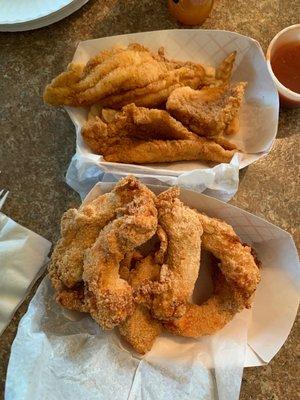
(235, 283)
(117, 71)
(61, 89)
(141, 329)
(121, 139)
(108, 296)
(224, 70)
(107, 73)
(180, 271)
(96, 134)
(128, 263)
(136, 151)
(145, 123)
(208, 111)
(121, 79)
(156, 93)
(212, 315)
(237, 262)
(134, 122)
(79, 230)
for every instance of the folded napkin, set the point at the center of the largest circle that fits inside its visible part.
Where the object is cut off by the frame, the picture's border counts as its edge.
(22, 254)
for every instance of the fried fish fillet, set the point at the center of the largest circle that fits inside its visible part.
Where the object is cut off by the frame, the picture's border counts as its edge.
(145, 123)
(136, 151)
(156, 93)
(106, 73)
(109, 297)
(180, 271)
(141, 329)
(212, 315)
(208, 111)
(117, 72)
(133, 136)
(153, 124)
(235, 282)
(237, 262)
(79, 230)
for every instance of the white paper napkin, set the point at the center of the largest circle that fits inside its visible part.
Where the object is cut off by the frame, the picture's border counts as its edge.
(22, 254)
(65, 355)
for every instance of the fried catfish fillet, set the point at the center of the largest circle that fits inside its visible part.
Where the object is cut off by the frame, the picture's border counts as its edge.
(140, 329)
(140, 135)
(115, 77)
(109, 297)
(209, 111)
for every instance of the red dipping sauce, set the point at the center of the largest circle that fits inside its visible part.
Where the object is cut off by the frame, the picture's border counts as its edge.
(285, 64)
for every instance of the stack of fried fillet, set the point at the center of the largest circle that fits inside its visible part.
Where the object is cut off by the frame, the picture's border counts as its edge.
(131, 259)
(147, 109)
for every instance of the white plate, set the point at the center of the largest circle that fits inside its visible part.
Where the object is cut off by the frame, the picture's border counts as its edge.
(22, 15)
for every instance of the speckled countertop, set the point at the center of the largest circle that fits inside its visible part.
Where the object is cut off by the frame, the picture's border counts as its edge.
(37, 141)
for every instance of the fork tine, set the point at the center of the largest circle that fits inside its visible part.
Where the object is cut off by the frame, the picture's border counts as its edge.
(3, 195)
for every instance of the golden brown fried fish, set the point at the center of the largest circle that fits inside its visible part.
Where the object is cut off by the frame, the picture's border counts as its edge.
(209, 111)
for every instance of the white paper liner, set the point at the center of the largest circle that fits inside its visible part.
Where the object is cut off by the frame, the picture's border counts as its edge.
(65, 355)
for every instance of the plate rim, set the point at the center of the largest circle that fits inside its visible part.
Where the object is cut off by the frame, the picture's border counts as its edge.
(44, 14)
(50, 19)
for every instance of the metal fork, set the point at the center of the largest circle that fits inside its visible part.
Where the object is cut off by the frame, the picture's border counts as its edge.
(3, 195)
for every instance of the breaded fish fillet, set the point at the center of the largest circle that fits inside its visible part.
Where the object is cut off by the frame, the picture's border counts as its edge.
(136, 151)
(209, 111)
(118, 72)
(213, 314)
(234, 283)
(140, 329)
(109, 297)
(180, 271)
(156, 93)
(79, 230)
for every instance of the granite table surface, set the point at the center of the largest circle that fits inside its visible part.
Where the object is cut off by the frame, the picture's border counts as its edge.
(37, 142)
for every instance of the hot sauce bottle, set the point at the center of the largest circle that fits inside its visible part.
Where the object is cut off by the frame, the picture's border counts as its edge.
(190, 12)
